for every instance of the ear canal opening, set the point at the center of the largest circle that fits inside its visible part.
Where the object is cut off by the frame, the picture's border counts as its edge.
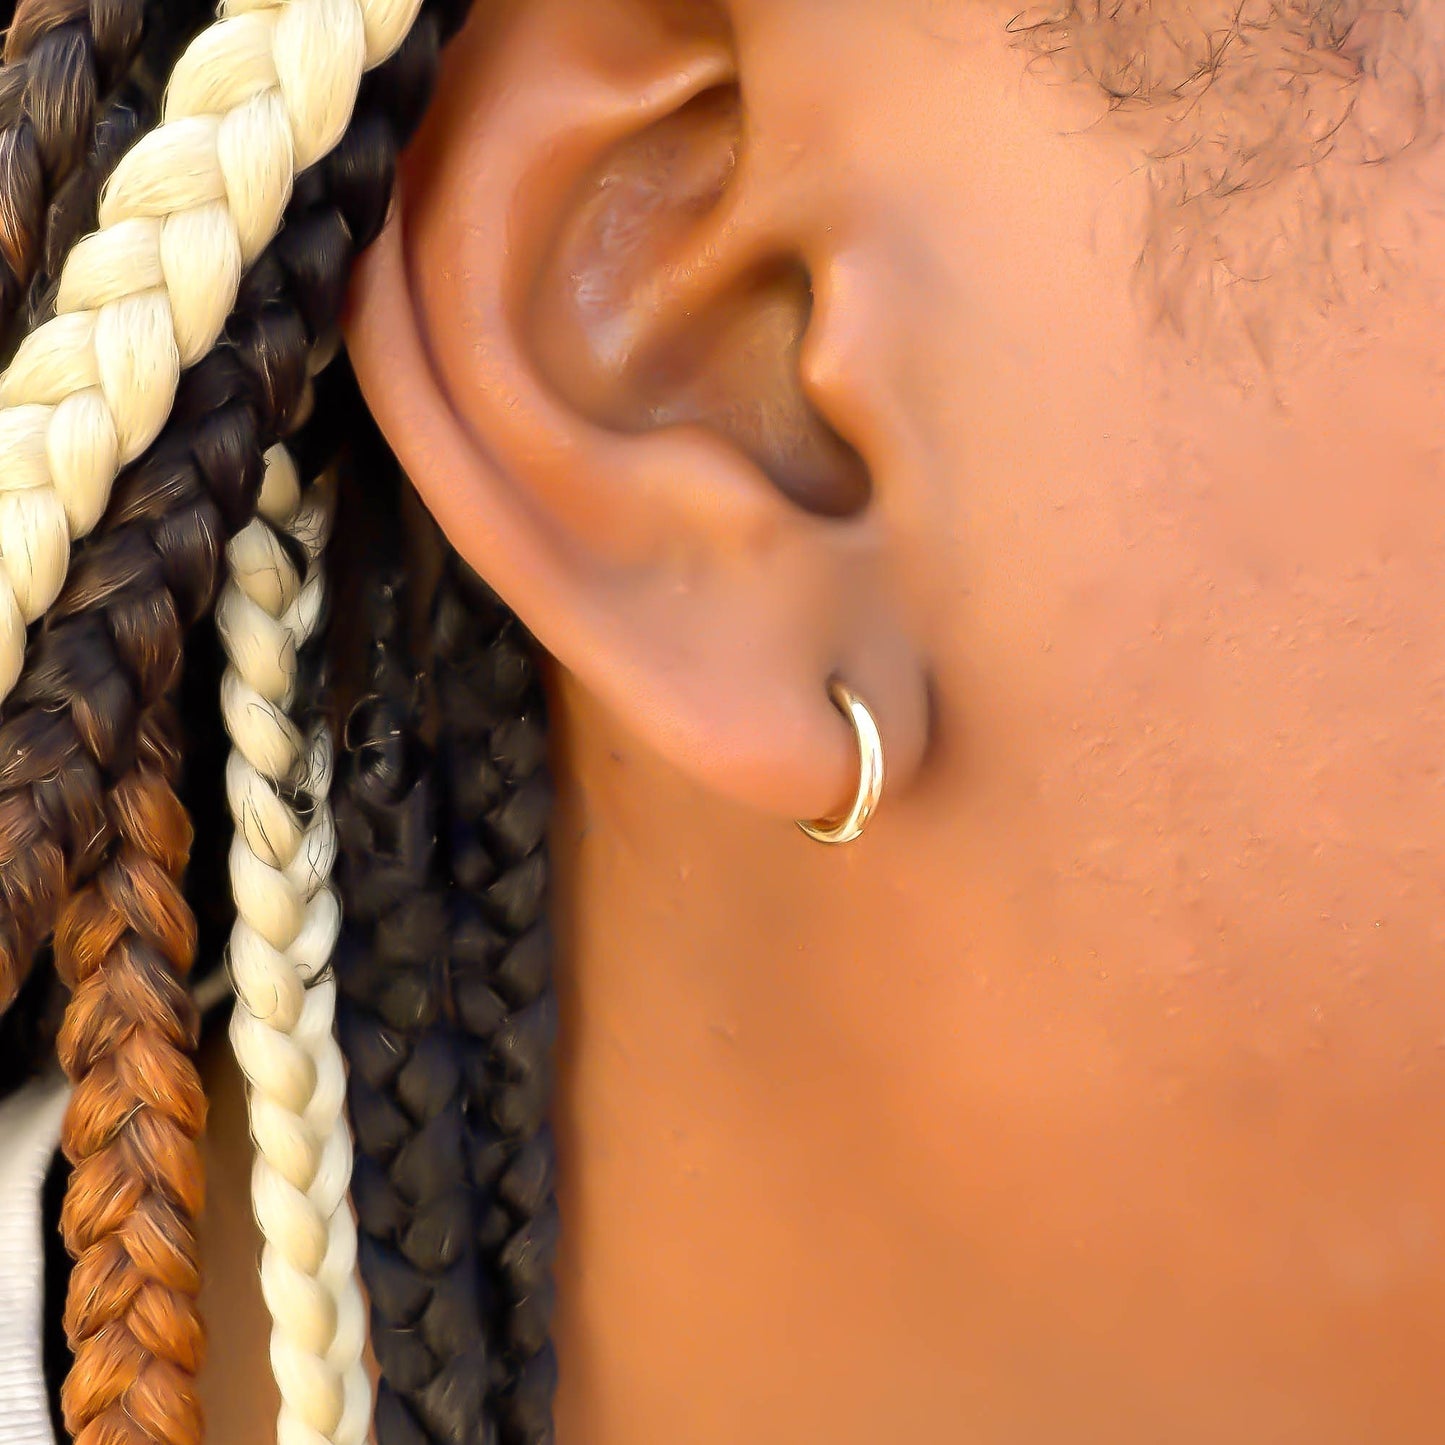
(742, 378)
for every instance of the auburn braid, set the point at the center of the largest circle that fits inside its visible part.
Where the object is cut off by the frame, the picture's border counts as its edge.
(125, 943)
(109, 647)
(493, 746)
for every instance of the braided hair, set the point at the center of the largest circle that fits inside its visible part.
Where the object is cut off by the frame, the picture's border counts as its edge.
(448, 1014)
(498, 803)
(62, 61)
(454, 1186)
(87, 784)
(255, 98)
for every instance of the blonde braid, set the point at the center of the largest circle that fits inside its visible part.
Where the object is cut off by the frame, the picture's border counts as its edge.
(264, 92)
(278, 781)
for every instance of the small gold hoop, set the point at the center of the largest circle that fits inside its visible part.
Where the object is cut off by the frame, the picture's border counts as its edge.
(870, 770)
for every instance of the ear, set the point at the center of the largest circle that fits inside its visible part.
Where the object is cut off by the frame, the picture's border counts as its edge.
(585, 332)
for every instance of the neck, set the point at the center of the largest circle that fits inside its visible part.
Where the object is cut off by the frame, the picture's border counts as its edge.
(711, 1113)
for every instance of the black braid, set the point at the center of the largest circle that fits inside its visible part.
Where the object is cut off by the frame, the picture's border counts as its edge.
(405, 1089)
(446, 1014)
(493, 745)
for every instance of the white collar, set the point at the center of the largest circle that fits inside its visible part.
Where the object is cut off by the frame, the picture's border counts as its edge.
(29, 1134)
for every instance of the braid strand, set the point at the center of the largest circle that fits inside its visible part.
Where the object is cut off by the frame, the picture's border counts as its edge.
(448, 1020)
(260, 95)
(406, 1055)
(107, 650)
(125, 944)
(61, 58)
(494, 750)
(278, 782)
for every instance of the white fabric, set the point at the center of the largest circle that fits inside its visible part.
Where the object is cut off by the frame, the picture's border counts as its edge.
(29, 1133)
(30, 1121)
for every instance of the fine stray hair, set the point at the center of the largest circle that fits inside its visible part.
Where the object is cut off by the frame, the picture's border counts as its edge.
(1270, 136)
(448, 1015)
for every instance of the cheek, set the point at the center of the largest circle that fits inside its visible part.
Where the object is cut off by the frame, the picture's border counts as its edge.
(1224, 674)
(1182, 835)
(1232, 740)
(1187, 628)
(1190, 679)
(1156, 1046)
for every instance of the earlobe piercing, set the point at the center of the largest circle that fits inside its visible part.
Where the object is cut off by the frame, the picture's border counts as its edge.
(870, 770)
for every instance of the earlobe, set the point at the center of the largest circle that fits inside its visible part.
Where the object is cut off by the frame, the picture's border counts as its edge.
(649, 546)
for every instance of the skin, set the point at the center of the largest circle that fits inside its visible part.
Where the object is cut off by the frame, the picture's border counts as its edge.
(1094, 1095)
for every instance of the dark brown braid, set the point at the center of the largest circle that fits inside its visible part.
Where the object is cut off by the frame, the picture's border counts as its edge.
(73, 213)
(498, 801)
(125, 944)
(107, 650)
(447, 1017)
(131, 109)
(91, 46)
(405, 1091)
(61, 59)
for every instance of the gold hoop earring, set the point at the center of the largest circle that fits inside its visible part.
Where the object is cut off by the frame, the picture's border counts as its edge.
(870, 770)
